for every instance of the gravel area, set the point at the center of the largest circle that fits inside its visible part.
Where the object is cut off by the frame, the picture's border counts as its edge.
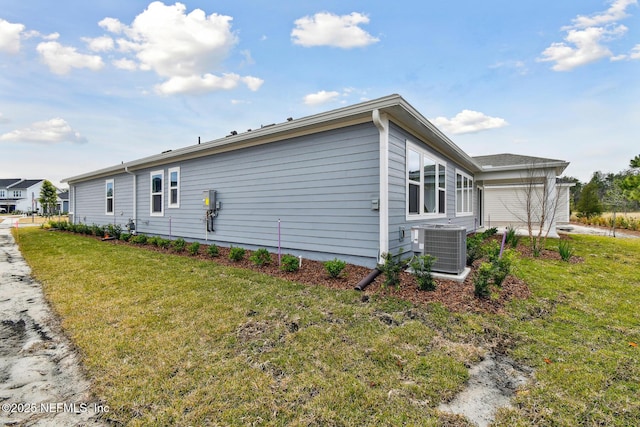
(41, 381)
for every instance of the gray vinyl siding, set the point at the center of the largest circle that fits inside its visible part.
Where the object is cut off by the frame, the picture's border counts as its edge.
(397, 192)
(90, 201)
(320, 187)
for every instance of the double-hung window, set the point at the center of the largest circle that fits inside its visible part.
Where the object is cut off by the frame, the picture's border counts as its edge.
(174, 187)
(464, 194)
(426, 184)
(109, 197)
(157, 202)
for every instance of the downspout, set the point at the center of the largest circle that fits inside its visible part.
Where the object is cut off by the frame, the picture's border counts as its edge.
(382, 123)
(135, 198)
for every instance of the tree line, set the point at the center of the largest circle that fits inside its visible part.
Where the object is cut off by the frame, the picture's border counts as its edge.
(607, 192)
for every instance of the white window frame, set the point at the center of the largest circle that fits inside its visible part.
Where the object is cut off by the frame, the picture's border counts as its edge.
(464, 194)
(17, 194)
(3, 194)
(439, 162)
(107, 197)
(171, 188)
(157, 193)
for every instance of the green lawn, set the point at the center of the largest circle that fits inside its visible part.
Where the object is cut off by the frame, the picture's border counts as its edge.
(170, 340)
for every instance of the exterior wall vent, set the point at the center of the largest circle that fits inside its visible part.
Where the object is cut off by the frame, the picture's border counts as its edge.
(448, 243)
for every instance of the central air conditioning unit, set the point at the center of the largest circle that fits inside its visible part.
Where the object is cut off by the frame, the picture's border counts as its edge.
(448, 243)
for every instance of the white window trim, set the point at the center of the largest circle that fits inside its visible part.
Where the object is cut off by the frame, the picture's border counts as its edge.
(151, 193)
(177, 187)
(113, 197)
(469, 189)
(437, 160)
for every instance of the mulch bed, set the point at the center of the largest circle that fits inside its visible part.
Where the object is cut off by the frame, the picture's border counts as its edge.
(456, 296)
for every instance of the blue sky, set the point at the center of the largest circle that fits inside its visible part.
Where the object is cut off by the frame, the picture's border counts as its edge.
(86, 85)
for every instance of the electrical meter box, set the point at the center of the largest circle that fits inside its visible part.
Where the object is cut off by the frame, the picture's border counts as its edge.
(209, 199)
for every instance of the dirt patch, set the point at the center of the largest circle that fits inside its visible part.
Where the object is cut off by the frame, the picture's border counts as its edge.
(41, 382)
(491, 386)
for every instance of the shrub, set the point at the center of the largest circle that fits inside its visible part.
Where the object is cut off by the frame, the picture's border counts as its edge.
(125, 237)
(179, 244)
(491, 250)
(565, 250)
(289, 263)
(489, 232)
(163, 243)
(502, 267)
(139, 239)
(474, 248)
(113, 230)
(261, 257)
(153, 240)
(194, 248)
(421, 266)
(334, 267)
(482, 280)
(236, 254)
(213, 250)
(391, 269)
(512, 239)
(97, 230)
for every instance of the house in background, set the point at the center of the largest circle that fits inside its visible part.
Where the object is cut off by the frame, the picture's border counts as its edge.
(20, 195)
(348, 183)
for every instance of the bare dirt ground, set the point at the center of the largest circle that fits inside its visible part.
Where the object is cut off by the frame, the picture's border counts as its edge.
(41, 381)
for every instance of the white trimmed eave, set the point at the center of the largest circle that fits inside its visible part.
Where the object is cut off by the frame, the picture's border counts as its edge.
(394, 105)
(520, 171)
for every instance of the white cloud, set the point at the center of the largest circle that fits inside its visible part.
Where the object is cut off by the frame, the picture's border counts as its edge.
(61, 59)
(10, 36)
(48, 132)
(3, 119)
(207, 83)
(635, 52)
(615, 13)
(184, 48)
(125, 64)
(100, 44)
(327, 29)
(586, 38)
(468, 121)
(321, 97)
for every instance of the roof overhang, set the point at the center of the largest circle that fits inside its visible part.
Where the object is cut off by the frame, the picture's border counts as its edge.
(398, 110)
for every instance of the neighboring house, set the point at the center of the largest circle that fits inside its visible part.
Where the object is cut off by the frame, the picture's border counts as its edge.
(348, 183)
(20, 194)
(520, 189)
(62, 204)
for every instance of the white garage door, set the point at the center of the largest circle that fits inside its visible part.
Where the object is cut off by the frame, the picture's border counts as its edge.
(507, 205)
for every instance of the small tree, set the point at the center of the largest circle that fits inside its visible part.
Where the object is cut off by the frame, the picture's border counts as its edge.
(631, 184)
(589, 204)
(48, 198)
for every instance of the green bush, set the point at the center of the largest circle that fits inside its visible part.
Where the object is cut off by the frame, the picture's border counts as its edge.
(289, 263)
(163, 243)
(482, 280)
(502, 266)
(113, 230)
(489, 232)
(179, 244)
(194, 248)
(236, 254)
(565, 250)
(213, 250)
(421, 266)
(139, 239)
(125, 237)
(97, 230)
(512, 239)
(153, 240)
(334, 268)
(474, 248)
(261, 257)
(391, 269)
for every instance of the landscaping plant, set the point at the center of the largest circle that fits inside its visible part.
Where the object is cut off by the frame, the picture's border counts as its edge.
(194, 248)
(289, 263)
(261, 257)
(391, 269)
(421, 266)
(565, 250)
(179, 244)
(236, 253)
(213, 250)
(334, 267)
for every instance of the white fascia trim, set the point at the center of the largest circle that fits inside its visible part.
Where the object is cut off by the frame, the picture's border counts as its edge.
(382, 123)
